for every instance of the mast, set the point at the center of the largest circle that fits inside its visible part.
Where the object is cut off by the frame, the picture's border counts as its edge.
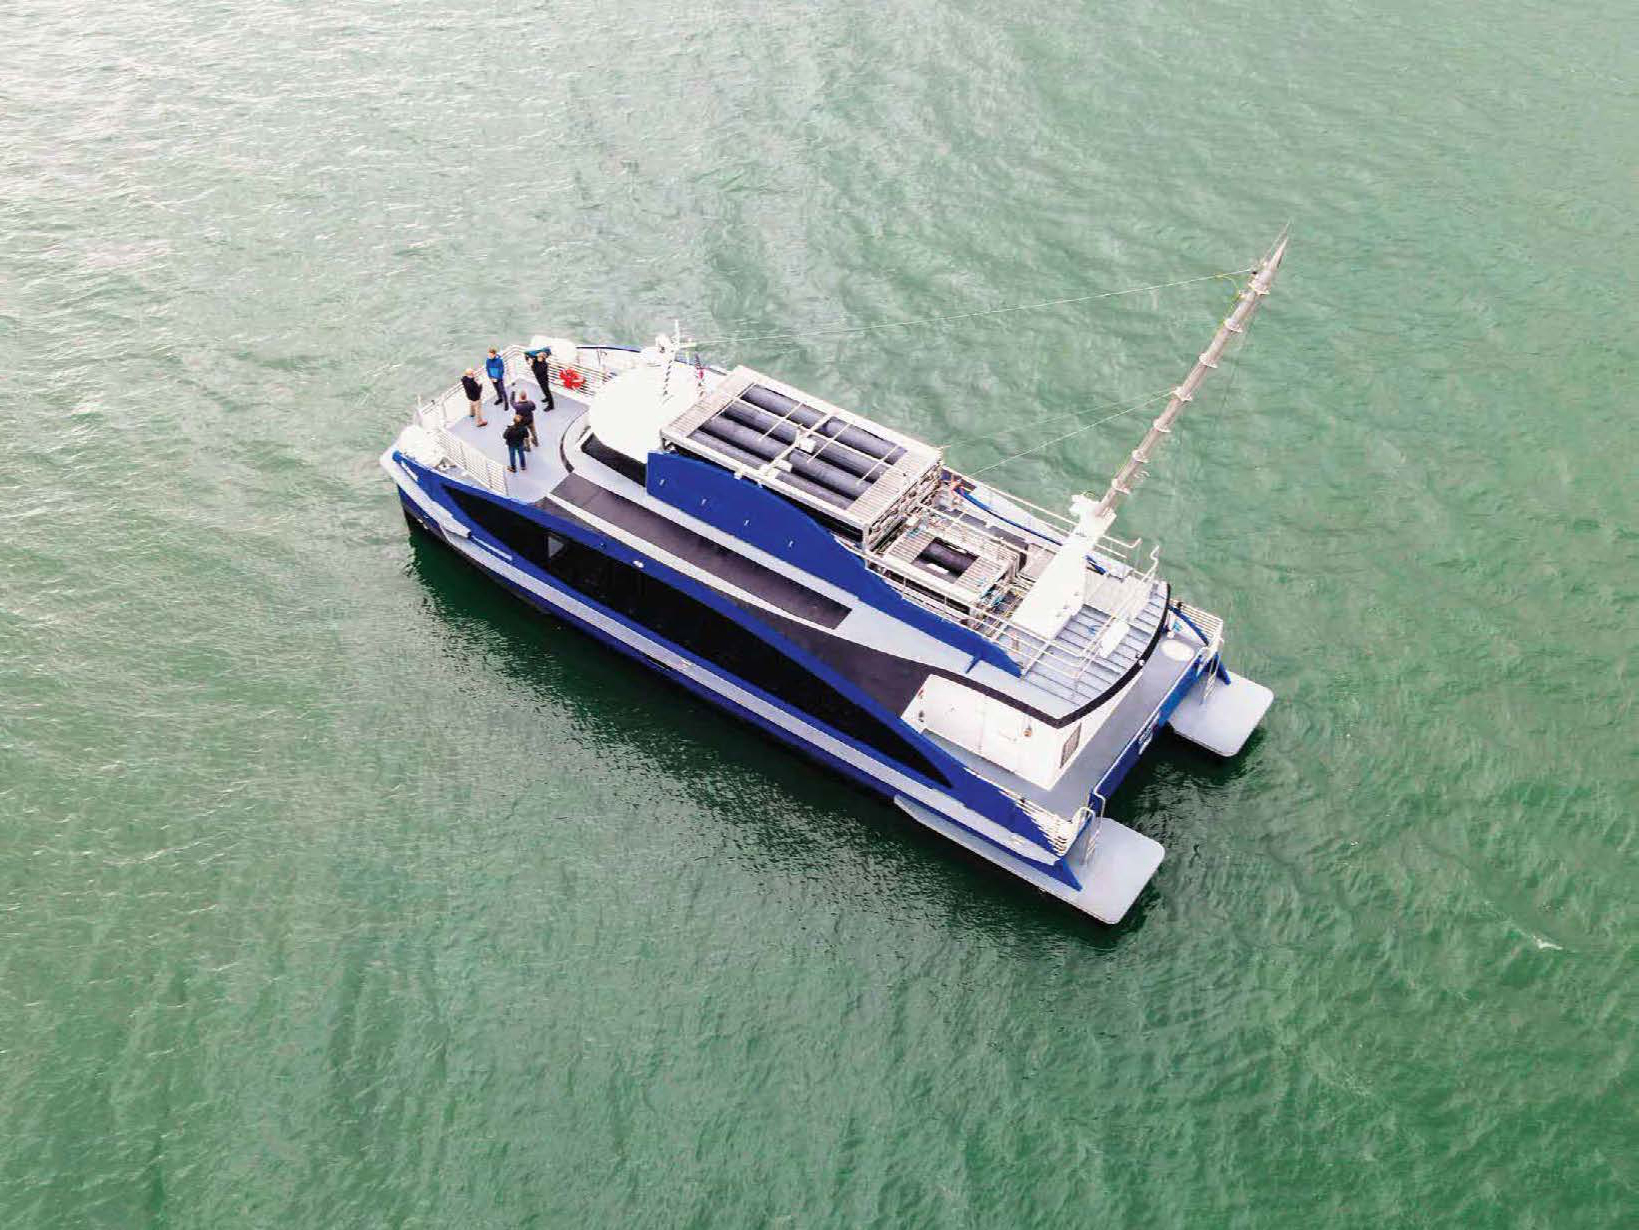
(1060, 590)
(1097, 518)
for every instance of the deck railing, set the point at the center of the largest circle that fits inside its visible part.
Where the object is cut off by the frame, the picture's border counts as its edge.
(1050, 660)
(1210, 626)
(594, 367)
(441, 411)
(1050, 526)
(1061, 831)
(478, 465)
(586, 376)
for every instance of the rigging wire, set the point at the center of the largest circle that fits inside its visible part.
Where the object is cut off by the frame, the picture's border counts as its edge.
(1234, 366)
(1223, 400)
(1052, 418)
(1148, 401)
(934, 320)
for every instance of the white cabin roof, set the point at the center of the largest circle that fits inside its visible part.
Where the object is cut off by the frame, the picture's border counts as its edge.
(628, 412)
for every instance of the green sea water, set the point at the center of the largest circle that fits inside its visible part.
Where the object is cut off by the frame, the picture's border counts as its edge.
(338, 890)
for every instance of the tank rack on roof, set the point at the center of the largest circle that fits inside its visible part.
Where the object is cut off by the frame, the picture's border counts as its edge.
(857, 475)
(937, 554)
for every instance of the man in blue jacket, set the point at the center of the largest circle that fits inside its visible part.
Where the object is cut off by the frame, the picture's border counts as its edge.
(495, 368)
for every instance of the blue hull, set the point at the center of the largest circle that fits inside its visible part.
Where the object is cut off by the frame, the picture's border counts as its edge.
(876, 785)
(960, 791)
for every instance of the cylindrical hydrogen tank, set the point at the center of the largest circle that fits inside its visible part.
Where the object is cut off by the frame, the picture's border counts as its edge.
(751, 441)
(829, 475)
(946, 558)
(781, 405)
(749, 460)
(761, 421)
(864, 443)
(818, 490)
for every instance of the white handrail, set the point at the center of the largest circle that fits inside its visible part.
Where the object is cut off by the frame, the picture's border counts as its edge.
(451, 405)
(1048, 657)
(479, 466)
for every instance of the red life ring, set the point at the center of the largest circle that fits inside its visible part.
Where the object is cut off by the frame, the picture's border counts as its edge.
(570, 378)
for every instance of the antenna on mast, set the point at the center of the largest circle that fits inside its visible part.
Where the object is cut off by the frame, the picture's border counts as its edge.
(1096, 519)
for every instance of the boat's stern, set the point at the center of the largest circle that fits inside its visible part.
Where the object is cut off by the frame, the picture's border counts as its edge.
(1053, 782)
(1221, 711)
(1113, 864)
(1101, 874)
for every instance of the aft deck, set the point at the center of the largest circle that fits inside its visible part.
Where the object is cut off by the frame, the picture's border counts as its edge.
(1075, 667)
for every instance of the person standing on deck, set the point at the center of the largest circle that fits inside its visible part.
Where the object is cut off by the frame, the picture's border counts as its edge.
(516, 436)
(495, 368)
(475, 396)
(525, 409)
(543, 376)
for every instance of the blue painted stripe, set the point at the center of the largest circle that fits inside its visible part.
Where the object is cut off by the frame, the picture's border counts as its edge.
(766, 520)
(1193, 626)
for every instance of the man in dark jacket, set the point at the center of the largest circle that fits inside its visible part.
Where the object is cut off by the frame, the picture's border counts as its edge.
(516, 436)
(543, 376)
(525, 409)
(475, 396)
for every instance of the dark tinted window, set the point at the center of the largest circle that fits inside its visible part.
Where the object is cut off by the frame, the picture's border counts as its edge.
(618, 462)
(690, 624)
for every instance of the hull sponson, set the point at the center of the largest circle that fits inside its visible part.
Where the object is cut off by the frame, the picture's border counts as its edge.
(962, 796)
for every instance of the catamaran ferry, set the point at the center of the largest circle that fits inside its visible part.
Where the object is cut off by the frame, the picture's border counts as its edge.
(991, 667)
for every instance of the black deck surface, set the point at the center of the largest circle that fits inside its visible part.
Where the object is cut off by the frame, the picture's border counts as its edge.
(728, 566)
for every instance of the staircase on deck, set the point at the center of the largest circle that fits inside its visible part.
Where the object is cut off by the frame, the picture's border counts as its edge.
(1070, 667)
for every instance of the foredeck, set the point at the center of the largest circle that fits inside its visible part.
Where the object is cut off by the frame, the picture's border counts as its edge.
(544, 466)
(482, 453)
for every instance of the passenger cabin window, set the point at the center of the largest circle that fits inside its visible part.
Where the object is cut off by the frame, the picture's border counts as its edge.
(692, 625)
